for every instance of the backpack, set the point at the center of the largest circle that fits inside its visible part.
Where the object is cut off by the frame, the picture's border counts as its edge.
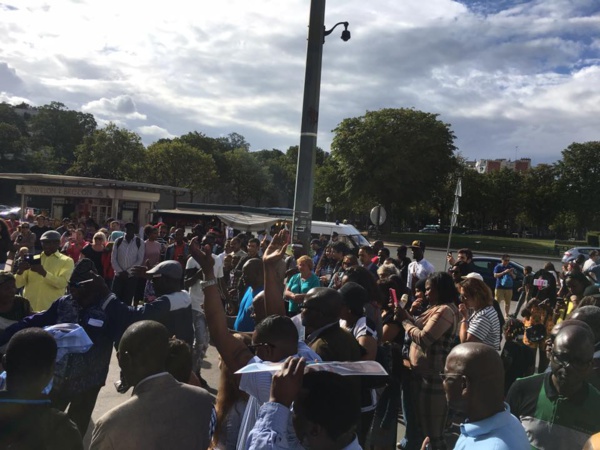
(119, 241)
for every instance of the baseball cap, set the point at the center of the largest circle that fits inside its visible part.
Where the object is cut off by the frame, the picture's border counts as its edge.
(169, 269)
(475, 275)
(418, 244)
(315, 241)
(50, 236)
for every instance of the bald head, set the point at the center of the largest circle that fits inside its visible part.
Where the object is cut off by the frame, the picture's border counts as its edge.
(591, 316)
(259, 305)
(321, 307)
(253, 272)
(477, 360)
(329, 300)
(474, 381)
(143, 350)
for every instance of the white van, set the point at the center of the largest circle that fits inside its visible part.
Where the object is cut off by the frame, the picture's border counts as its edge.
(346, 233)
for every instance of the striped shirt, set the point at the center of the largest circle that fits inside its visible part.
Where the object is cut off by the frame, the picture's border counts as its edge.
(127, 254)
(485, 326)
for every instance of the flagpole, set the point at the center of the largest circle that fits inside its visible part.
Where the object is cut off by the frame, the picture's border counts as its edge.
(457, 195)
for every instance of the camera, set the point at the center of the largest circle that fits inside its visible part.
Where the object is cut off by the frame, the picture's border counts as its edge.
(31, 259)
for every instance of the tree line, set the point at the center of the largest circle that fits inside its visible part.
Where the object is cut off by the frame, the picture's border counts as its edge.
(401, 158)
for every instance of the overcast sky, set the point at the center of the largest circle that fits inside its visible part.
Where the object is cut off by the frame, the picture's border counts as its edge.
(513, 78)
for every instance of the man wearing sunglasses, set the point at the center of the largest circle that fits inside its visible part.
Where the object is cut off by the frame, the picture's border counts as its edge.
(560, 409)
(274, 339)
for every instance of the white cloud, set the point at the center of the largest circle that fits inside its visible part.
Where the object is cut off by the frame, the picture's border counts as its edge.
(154, 132)
(121, 106)
(505, 73)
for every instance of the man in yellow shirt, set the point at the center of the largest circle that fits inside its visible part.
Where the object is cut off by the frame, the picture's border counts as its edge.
(45, 277)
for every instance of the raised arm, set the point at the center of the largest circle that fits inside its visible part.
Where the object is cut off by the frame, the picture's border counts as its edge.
(273, 282)
(234, 352)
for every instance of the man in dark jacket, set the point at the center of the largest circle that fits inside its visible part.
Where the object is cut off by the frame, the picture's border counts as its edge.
(79, 376)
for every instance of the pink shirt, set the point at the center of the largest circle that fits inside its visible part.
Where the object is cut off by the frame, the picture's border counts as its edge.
(152, 252)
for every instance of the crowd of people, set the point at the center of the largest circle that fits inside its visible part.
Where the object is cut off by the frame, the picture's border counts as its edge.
(160, 297)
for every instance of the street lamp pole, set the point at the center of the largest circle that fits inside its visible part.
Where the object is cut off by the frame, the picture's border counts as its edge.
(303, 199)
(327, 208)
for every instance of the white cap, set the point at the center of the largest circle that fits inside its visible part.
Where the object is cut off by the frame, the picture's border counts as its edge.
(475, 275)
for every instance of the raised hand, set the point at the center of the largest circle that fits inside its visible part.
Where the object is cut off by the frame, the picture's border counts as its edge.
(288, 381)
(203, 258)
(276, 249)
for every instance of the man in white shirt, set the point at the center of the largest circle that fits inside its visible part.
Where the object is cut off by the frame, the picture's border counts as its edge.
(420, 268)
(592, 261)
(193, 279)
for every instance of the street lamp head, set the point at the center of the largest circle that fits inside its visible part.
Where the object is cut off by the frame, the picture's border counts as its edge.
(328, 199)
(345, 34)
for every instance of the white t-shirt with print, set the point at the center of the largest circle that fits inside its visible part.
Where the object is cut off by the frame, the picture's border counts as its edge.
(196, 291)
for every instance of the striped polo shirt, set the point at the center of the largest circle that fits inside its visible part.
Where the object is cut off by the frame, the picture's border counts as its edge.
(485, 325)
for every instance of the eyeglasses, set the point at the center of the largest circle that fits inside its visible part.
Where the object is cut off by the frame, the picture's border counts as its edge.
(445, 376)
(564, 361)
(253, 347)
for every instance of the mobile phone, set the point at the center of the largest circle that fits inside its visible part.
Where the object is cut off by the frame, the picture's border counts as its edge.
(31, 259)
(20, 238)
(394, 297)
(403, 300)
(449, 253)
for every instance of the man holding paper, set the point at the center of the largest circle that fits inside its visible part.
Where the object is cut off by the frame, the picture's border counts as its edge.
(274, 339)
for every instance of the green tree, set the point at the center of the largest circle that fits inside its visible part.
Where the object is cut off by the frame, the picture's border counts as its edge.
(111, 152)
(506, 186)
(178, 164)
(247, 178)
(281, 191)
(393, 156)
(476, 194)
(9, 116)
(59, 130)
(541, 197)
(578, 172)
(12, 145)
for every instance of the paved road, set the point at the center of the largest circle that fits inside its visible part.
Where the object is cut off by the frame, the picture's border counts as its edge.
(109, 398)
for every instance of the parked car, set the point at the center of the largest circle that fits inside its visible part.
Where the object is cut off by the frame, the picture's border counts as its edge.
(484, 265)
(6, 211)
(574, 252)
(430, 229)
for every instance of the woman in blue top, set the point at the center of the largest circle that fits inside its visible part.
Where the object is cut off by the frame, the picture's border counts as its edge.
(300, 284)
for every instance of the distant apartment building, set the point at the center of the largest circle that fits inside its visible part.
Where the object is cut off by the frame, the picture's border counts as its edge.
(494, 165)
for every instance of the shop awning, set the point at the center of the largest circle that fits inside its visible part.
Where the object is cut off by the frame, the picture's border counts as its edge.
(247, 221)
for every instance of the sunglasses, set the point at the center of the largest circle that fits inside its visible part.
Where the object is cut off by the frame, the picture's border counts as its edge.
(309, 307)
(253, 347)
(78, 284)
(565, 361)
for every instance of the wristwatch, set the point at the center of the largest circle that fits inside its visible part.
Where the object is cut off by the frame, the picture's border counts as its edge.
(205, 284)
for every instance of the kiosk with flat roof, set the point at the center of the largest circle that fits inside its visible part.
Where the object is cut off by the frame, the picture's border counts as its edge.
(84, 197)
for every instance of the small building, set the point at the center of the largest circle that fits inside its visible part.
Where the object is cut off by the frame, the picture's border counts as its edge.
(84, 197)
(495, 165)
